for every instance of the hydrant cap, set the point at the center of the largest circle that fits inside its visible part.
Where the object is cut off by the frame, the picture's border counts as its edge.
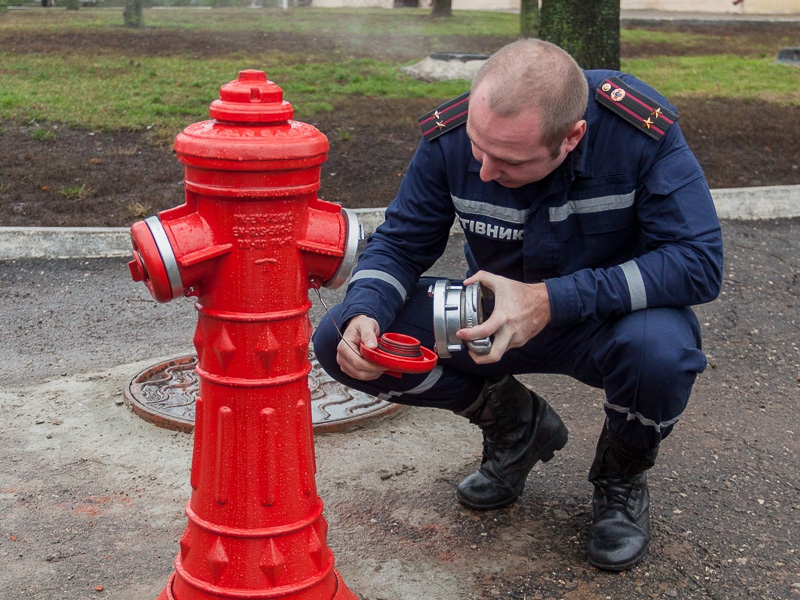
(252, 98)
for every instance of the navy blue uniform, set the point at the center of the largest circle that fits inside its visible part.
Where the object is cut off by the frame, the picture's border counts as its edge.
(623, 233)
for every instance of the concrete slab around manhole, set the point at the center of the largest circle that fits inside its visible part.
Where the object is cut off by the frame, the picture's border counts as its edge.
(445, 66)
(165, 394)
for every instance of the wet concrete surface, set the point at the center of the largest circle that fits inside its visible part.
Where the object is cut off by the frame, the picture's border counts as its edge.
(92, 496)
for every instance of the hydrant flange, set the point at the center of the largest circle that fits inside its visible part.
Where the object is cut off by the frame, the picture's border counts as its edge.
(167, 255)
(354, 235)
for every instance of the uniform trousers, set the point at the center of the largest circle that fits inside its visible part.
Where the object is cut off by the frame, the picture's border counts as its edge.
(646, 361)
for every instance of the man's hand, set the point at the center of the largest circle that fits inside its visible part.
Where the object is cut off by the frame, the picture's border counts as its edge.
(521, 311)
(359, 329)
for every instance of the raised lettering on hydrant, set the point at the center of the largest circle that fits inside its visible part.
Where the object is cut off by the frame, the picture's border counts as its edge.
(249, 242)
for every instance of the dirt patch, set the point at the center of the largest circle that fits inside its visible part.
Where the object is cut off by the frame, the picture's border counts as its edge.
(51, 175)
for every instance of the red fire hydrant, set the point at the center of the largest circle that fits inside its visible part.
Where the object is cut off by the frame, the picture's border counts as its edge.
(249, 242)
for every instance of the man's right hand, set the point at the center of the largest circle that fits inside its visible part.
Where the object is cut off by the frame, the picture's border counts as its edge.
(359, 329)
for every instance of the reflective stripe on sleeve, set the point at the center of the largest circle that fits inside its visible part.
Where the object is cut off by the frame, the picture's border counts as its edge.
(635, 285)
(591, 205)
(383, 276)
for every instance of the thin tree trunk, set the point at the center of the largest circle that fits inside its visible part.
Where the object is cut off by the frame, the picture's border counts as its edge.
(133, 13)
(529, 18)
(442, 8)
(589, 31)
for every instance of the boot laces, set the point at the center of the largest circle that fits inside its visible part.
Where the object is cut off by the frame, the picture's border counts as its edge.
(618, 493)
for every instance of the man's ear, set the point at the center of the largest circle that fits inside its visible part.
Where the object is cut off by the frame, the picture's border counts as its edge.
(574, 136)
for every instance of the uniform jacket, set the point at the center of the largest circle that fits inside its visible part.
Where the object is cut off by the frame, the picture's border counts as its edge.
(626, 222)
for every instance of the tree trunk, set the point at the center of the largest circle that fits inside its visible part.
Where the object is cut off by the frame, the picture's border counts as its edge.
(133, 13)
(529, 18)
(589, 31)
(442, 8)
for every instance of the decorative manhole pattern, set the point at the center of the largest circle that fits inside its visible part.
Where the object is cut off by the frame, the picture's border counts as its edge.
(165, 395)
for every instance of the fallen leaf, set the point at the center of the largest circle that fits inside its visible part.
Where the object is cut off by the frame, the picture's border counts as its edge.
(13, 538)
(45, 188)
(95, 161)
(99, 588)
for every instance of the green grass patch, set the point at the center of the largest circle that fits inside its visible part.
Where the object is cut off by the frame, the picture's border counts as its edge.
(42, 135)
(75, 192)
(169, 93)
(721, 76)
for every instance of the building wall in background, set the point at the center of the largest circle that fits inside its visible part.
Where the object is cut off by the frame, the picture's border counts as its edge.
(712, 6)
(715, 6)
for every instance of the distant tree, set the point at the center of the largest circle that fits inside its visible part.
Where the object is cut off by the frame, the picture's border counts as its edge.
(529, 18)
(71, 4)
(589, 31)
(132, 14)
(442, 8)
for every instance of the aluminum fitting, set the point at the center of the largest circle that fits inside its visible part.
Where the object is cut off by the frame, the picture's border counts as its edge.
(457, 307)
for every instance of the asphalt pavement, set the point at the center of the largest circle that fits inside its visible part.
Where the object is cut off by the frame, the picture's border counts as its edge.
(92, 496)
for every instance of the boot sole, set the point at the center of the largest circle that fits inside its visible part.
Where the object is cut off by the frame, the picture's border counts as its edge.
(616, 568)
(556, 443)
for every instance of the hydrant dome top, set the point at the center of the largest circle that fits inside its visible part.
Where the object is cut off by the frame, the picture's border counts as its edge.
(251, 98)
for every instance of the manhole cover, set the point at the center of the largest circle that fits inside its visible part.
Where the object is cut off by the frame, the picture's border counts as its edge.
(165, 394)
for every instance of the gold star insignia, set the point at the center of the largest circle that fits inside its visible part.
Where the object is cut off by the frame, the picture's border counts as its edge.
(436, 115)
(440, 125)
(656, 113)
(647, 122)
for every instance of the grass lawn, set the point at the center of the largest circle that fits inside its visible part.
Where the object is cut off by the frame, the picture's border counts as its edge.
(112, 88)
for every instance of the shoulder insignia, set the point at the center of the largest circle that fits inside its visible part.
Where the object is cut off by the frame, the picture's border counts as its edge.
(636, 108)
(448, 116)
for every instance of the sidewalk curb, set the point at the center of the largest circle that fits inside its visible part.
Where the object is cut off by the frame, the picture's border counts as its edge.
(755, 203)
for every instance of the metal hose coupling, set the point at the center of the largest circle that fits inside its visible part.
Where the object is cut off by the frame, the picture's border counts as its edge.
(457, 307)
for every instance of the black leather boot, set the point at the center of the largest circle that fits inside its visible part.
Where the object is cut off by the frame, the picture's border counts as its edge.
(519, 429)
(620, 533)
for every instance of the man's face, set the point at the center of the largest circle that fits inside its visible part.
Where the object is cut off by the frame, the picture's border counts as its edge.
(510, 149)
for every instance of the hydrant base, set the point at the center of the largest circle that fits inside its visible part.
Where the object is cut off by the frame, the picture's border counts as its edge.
(342, 591)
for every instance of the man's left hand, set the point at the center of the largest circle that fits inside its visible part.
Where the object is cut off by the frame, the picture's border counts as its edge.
(521, 311)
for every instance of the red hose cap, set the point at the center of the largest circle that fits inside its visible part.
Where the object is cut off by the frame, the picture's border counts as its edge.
(251, 99)
(400, 354)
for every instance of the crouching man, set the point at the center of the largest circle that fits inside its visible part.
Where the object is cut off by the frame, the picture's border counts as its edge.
(587, 215)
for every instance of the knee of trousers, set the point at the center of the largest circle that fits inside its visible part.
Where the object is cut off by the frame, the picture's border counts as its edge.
(650, 363)
(441, 388)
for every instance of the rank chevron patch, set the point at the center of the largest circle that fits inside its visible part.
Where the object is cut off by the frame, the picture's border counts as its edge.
(448, 116)
(635, 107)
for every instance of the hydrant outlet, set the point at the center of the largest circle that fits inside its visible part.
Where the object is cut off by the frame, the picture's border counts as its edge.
(154, 261)
(354, 235)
